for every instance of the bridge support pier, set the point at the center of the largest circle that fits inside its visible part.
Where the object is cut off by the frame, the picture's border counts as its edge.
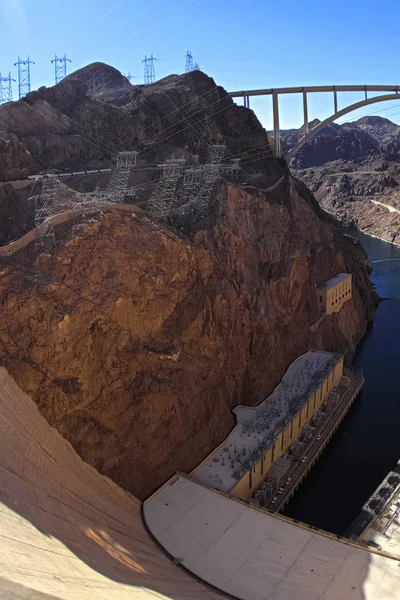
(305, 111)
(277, 137)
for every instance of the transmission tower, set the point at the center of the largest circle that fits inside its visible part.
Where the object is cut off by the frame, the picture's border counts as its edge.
(118, 183)
(45, 207)
(149, 69)
(60, 67)
(129, 76)
(217, 153)
(192, 183)
(94, 84)
(6, 93)
(24, 76)
(189, 62)
(163, 197)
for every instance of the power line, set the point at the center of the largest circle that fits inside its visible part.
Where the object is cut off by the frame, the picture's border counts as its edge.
(342, 120)
(154, 144)
(60, 123)
(149, 24)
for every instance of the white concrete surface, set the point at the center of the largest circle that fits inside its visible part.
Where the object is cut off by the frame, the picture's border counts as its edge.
(257, 556)
(66, 531)
(258, 427)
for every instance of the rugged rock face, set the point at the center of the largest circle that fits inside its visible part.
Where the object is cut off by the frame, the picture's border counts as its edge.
(137, 343)
(137, 337)
(85, 120)
(353, 169)
(76, 123)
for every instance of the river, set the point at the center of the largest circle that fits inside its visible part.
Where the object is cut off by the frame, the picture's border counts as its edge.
(367, 444)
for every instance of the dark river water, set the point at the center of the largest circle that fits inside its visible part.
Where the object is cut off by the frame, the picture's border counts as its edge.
(367, 444)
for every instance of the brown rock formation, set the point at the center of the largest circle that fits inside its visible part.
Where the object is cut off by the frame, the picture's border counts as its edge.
(72, 126)
(353, 169)
(136, 342)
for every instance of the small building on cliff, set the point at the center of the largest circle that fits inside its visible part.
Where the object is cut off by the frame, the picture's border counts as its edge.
(332, 294)
(263, 433)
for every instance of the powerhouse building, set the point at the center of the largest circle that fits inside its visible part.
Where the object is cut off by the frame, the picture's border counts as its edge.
(332, 294)
(263, 433)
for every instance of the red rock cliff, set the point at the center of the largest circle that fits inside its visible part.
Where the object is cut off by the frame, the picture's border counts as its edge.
(136, 342)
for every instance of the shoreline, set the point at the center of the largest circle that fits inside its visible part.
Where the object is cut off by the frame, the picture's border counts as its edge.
(377, 237)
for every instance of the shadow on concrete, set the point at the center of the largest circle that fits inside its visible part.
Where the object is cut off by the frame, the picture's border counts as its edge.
(65, 530)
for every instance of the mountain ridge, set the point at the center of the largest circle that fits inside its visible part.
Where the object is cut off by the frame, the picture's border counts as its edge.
(353, 170)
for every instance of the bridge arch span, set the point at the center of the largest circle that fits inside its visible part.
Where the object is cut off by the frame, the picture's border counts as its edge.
(337, 115)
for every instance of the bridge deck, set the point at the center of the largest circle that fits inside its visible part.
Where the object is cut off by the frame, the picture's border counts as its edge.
(316, 88)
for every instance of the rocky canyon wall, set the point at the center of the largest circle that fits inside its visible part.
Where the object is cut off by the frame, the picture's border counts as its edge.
(137, 342)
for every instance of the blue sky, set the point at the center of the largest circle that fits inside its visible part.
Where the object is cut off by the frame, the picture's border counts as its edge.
(242, 44)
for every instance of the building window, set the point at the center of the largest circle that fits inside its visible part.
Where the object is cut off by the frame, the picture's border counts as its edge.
(320, 299)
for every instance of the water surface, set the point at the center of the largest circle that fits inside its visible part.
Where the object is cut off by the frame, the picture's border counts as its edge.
(367, 444)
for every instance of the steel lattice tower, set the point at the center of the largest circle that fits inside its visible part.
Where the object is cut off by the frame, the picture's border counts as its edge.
(217, 153)
(162, 198)
(24, 76)
(149, 69)
(118, 183)
(189, 62)
(45, 207)
(129, 76)
(60, 67)
(6, 93)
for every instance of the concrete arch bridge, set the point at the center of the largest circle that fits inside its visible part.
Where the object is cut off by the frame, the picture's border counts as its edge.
(387, 92)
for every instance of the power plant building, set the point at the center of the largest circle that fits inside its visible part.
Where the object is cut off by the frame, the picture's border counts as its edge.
(332, 294)
(263, 433)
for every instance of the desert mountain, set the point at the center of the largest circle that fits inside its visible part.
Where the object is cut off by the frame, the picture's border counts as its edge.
(139, 331)
(353, 170)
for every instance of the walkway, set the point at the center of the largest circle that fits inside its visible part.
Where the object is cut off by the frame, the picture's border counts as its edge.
(258, 556)
(389, 208)
(321, 438)
(22, 242)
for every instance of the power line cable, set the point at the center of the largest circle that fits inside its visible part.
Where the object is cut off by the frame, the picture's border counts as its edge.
(147, 26)
(44, 112)
(155, 144)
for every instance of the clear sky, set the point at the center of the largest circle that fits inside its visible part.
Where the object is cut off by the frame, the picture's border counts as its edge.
(242, 44)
